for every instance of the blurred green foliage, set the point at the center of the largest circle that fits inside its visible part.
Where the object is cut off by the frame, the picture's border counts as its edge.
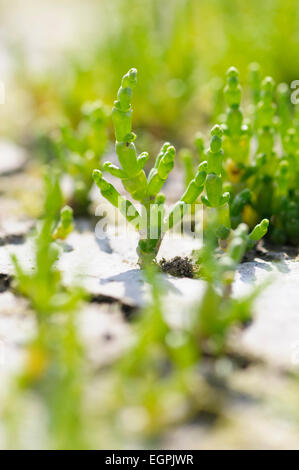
(178, 46)
(77, 151)
(53, 367)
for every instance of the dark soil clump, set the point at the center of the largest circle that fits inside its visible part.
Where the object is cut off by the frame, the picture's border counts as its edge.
(179, 267)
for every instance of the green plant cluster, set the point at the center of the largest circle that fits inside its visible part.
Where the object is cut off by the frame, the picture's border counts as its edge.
(267, 164)
(258, 165)
(173, 58)
(146, 190)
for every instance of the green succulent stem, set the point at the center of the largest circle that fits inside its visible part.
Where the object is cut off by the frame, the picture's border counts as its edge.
(236, 143)
(144, 190)
(215, 198)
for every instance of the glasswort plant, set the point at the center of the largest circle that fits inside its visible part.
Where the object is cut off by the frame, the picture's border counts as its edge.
(145, 190)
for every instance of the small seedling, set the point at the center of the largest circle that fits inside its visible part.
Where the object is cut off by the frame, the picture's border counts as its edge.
(65, 225)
